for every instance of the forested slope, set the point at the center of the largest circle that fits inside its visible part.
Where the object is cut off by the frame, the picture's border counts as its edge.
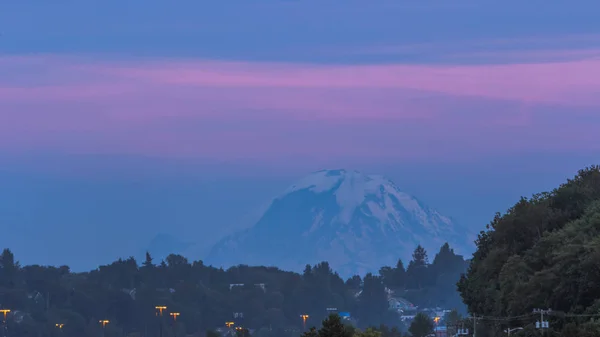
(543, 253)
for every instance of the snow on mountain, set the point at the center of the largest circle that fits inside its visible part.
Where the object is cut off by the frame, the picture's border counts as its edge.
(354, 221)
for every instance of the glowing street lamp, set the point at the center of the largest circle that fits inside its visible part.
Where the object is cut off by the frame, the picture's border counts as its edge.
(160, 309)
(174, 315)
(5, 312)
(436, 320)
(304, 318)
(103, 322)
(229, 324)
(59, 325)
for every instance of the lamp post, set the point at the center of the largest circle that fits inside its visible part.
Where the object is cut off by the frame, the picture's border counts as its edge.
(241, 331)
(175, 315)
(4, 326)
(436, 320)
(229, 324)
(160, 309)
(304, 318)
(60, 326)
(509, 330)
(104, 322)
(5, 312)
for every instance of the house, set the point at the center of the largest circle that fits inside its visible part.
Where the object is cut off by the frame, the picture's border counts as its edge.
(399, 304)
(36, 296)
(407, 318)
(262, 286)
(235, 285)
(130, 292)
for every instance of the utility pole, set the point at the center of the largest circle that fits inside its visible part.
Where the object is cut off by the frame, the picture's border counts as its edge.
(541, 324)
(174, 315)
(304, 318)
(159, 313)
(4, 322)
(103, 323)
(474, 326)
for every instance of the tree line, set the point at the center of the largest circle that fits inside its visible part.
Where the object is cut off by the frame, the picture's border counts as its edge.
(541, 256)
(266, 299)
(334, 326)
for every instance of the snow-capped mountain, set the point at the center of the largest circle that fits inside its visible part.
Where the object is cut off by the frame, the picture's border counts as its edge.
(356, 222)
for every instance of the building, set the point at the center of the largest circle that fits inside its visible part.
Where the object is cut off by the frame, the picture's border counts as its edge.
(399, 304)
(441, 331)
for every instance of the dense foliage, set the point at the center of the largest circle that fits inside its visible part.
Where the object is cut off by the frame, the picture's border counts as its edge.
(542, 253)
(271, 300)
(334, 326)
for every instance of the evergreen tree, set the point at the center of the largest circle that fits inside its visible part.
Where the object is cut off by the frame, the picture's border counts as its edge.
(387, 276)
(312, 332)
(354, 282)
(446, 262)
(333, 327)
(417, 273)
(399, 275)
(420, 256)
(8, 268)
(148, 261)
(421, 326)
(373, 303)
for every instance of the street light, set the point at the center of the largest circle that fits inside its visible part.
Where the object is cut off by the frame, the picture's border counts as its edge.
(174, 315)
(5, 312)
(104, 322)
(60, 326)
(304, 318)
(229, 324)
(4, 327)
(509, 330)
(160, 309)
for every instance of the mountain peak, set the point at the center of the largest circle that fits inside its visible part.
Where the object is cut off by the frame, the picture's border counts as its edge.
(353, 220)
(325, 180)
(351, 188)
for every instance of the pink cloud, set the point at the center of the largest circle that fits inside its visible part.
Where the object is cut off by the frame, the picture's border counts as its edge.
(552, 83)
(211, 109)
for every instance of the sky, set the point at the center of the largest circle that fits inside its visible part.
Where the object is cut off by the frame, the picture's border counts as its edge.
(120, 120)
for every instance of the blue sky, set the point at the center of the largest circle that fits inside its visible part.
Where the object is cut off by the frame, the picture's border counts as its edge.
(123, 119)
